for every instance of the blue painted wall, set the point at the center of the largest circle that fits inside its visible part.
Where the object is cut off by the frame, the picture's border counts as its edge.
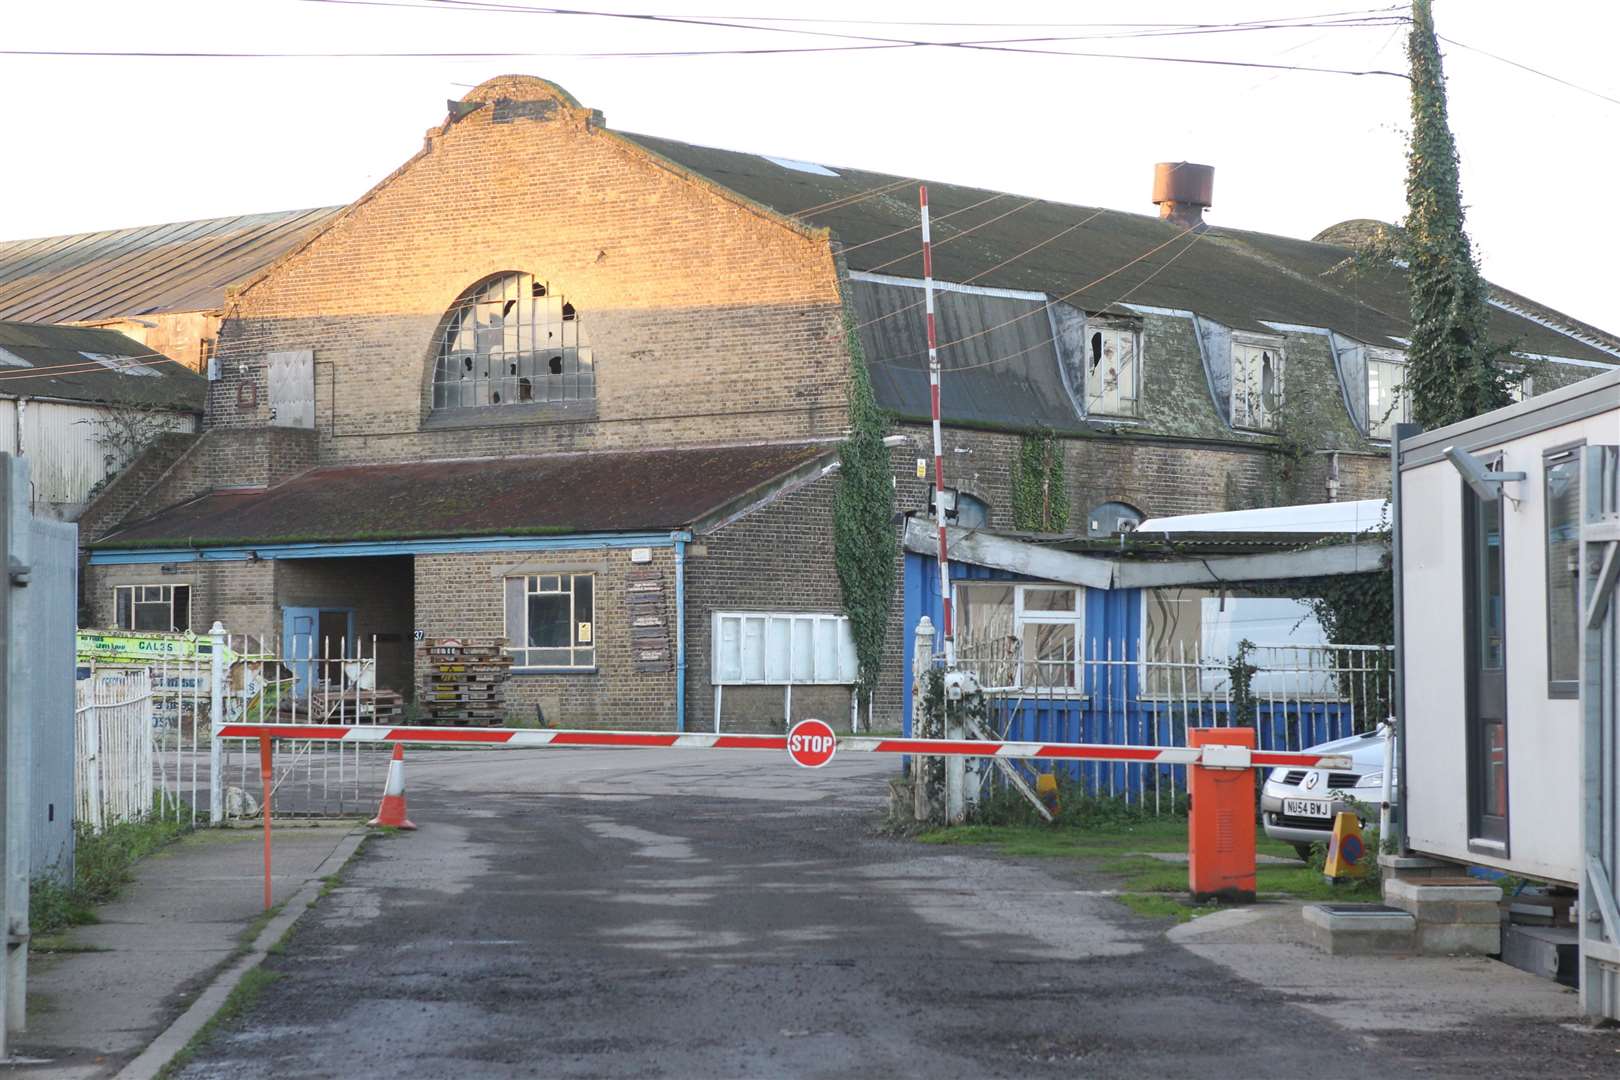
(1112, 708)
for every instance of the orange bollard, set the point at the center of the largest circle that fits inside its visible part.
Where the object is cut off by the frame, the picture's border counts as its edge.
(265, 776)
(1220, 836)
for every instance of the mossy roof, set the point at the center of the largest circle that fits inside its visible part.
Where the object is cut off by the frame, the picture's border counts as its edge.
(548, 494)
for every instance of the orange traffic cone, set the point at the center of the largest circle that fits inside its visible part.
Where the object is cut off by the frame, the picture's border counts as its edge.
(392, 812)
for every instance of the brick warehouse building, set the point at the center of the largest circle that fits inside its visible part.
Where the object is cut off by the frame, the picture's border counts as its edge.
(447, 412)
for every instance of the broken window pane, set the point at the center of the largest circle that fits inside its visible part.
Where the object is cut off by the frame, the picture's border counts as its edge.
(1257, 385)
(511, 340)
(1111, 371)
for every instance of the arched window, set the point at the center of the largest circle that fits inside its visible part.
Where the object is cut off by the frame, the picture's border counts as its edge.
(1112, 518)
(511, 340)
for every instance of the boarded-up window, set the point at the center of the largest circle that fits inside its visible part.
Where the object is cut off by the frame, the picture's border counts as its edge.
(782, 647)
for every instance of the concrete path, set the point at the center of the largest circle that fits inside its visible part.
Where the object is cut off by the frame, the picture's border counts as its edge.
(670, 914)
(183, 919)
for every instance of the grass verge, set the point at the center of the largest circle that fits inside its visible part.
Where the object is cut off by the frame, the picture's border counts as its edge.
(102, 865)
(1121, 849)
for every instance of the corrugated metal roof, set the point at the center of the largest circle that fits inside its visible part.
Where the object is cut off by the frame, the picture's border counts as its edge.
(181, 266)
(1239, 278)
(614, 491)
(82, 363)
(895, 344)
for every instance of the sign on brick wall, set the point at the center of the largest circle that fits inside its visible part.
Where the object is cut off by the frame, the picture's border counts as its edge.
(649, 621)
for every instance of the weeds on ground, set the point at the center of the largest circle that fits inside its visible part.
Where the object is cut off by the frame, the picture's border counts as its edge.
(1119, 840)
(102, 865)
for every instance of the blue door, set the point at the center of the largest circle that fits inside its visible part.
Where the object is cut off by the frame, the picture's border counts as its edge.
(309, 635)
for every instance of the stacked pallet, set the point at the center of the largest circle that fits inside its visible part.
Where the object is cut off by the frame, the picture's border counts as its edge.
(463, 681)
(328, 705)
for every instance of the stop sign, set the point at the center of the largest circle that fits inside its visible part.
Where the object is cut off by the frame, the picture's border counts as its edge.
(811, 743)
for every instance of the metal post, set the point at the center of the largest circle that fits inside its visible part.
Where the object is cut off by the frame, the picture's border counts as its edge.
(216, 716)
(939, 452)
(265, 770)
(680, 637)
(8, 665)
(19, 743)
(922, 658)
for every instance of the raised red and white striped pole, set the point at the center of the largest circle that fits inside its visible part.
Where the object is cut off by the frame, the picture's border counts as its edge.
(947, 630)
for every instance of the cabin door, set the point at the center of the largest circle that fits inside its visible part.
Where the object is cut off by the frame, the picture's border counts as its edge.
(1486, 644)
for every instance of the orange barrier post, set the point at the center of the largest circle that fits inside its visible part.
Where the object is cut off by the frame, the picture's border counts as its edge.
(1220, 836)
(264, 808)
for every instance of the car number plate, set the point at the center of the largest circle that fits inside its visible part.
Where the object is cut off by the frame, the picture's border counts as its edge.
(1307, 808)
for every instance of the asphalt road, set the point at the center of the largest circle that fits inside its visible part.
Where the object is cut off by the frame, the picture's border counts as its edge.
(680, 914)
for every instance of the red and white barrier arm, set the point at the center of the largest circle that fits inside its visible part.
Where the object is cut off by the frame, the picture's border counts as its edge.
(1227, 757)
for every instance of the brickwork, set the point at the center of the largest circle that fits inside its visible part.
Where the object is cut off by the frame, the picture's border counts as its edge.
(130, 491)
(464, 596)
(242, 595)
(777, 558)
(695, 303)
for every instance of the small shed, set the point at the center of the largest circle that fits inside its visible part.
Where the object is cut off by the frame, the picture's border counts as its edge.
(1505, 537)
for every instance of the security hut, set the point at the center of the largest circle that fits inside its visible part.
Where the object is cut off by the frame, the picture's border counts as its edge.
(1505, 530)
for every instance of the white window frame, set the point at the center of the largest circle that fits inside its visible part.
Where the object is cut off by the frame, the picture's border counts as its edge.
(995, 670)
(165, 596)
(1248, 410)
(1115, 401)
(531, 585)
(1399, 411)
(792, 629)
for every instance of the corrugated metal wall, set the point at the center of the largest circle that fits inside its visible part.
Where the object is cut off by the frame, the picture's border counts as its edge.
(51, 604)
(64, 446)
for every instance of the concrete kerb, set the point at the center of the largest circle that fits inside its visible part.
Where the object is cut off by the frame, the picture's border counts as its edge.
(173, 1039)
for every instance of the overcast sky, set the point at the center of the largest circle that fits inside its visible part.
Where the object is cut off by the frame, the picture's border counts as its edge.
(99, 142)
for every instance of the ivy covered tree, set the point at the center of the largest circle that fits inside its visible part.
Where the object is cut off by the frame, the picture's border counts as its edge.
(864, 540)
(1452, 372)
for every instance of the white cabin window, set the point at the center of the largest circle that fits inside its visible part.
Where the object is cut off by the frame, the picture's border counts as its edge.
(783, 648)
(1020, 635)
(1257, 384)
(1388, 402)
(152, 607)
(551, 621)
(1113, 370)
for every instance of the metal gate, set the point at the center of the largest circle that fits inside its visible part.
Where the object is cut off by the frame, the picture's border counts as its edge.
(1600, 749)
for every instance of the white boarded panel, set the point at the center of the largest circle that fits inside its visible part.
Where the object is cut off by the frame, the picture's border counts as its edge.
(292, 388)
(753, 649)
(803, 651)
(777, 648)
(727, 651)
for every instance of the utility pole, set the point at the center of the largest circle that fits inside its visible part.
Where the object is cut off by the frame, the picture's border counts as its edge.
(948, 629)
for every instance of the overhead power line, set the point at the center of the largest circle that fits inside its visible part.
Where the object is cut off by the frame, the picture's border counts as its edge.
(1533, 70)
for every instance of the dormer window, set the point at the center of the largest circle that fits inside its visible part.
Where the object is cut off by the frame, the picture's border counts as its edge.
(1388, 402)
(1257, 383)
(1112, 369)
(512, 340)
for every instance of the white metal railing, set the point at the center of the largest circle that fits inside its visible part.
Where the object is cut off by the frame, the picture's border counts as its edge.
(188, 776)
(1295, 696)
(113, 749)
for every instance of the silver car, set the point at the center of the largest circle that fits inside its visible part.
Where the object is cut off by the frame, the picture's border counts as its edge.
(1297, 806)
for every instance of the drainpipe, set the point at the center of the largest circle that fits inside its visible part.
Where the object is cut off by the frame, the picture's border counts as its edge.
(680, 630)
